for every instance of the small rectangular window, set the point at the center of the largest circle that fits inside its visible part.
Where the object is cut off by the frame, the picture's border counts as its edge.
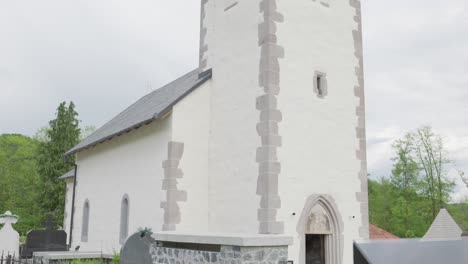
(320, 84)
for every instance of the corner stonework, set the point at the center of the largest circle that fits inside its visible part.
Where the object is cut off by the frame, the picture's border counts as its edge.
(172, 172)
(270, 116)
(203, 31)
(361, 153)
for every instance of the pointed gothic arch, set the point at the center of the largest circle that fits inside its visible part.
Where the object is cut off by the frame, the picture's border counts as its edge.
(320, 216)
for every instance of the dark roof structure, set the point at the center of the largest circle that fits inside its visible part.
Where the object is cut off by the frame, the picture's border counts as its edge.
(443, 243)
(153, 106)
(379, 234)
(67, 175)
(410, 251)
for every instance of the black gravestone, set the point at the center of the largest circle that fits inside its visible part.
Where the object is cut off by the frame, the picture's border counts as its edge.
(136, 249)
(44, 240)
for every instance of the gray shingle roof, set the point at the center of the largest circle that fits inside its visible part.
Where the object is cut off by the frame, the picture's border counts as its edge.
(67, 175)
(149, 108)
(443, 228)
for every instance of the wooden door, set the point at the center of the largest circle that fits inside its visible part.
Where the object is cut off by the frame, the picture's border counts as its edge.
(315, 249)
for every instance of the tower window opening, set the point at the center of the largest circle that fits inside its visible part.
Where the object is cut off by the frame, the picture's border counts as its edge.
(320, 84)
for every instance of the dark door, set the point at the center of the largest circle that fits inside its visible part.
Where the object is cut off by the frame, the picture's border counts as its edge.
(315, 249)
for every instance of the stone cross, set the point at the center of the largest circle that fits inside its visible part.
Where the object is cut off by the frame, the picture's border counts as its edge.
(8, 219)
(48, 223)
(9, 238)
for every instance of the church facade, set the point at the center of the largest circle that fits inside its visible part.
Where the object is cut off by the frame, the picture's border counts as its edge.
(266, 136)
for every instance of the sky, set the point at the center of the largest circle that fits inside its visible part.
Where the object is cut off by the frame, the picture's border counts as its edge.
(104, 55)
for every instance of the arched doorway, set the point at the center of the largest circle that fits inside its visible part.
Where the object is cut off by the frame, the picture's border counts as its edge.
(320, 227)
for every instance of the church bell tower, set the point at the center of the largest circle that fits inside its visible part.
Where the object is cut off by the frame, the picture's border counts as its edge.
(287, 135)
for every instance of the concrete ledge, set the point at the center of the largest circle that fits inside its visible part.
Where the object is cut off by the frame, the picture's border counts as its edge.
(50, 255)
(242, 240)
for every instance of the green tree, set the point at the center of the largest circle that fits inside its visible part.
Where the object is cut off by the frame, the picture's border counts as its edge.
(380, 202)
(408, 202)
(61, 135)
(404, 179)
(19, 180)
(432, 159)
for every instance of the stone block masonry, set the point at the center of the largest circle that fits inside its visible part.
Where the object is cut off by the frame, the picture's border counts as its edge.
(179, 248)
(361, 152)
(172, 172)
(270, 116)
(226, 255)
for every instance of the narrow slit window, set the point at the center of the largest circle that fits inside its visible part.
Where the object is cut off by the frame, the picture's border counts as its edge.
(124, 214)
(320, 84)
(85, 223)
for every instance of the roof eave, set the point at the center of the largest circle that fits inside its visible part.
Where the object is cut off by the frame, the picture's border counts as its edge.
(136, 126)
(203, 77)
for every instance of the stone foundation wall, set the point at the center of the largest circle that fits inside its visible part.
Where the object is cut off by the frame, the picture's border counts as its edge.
(227, 255)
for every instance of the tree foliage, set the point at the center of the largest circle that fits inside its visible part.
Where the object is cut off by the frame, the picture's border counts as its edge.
(19, 180)
(61, 135)
(432, 159)
(407, 202)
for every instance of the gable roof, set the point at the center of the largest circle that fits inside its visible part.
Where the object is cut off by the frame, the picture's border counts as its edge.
(67, 175)
(379, 234)
(149, 108)
(443, 228)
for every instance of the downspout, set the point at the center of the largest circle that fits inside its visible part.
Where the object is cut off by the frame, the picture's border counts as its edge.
(73, 201)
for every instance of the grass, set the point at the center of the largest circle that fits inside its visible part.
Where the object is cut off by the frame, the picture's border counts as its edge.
(115, 260)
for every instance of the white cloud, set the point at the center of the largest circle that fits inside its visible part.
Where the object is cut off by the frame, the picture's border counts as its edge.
(103, 55)
(415, 62)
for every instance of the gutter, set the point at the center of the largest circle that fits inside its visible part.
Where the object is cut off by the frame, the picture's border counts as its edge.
(73, 201)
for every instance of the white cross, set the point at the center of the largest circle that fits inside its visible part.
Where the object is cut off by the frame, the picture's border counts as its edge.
(8, 219)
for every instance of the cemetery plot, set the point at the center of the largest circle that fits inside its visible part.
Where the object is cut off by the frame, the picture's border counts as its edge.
(45, 240)
(7, 258)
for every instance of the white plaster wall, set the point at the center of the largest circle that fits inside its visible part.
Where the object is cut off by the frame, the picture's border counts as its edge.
(234, 55)
(68, 206)
(319, 135)
(190, 125)
(129, 164)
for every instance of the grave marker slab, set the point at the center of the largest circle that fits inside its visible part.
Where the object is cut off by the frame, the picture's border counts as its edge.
(45, 240)
(136, 250)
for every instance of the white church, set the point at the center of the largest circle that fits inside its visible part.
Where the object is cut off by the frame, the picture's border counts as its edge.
(266, 136)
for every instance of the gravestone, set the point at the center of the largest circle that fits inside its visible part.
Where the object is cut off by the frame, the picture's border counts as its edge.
(9, 238)
(136, 249)
(45, 240)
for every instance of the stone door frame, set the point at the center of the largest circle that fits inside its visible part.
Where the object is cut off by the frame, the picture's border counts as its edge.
(333, 241)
